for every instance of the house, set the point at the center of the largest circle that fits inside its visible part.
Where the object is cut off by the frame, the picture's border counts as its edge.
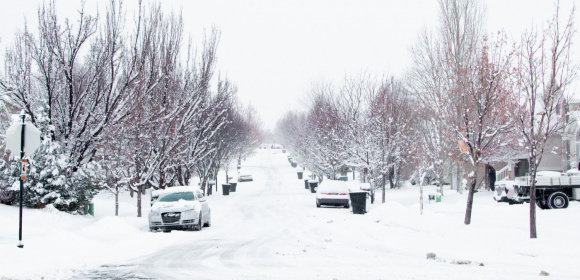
(562, 151)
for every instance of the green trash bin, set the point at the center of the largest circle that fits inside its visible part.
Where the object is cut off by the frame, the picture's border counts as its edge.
(89, 209)
(438, 197)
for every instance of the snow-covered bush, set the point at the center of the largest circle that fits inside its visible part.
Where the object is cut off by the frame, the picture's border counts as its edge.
(8, 173)
(52, 181)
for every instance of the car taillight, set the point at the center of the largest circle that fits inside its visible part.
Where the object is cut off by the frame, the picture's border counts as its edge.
(341, 194)
(506, 190)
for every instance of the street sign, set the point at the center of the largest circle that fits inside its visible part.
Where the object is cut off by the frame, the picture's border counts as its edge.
(22, 138)
(14, 138)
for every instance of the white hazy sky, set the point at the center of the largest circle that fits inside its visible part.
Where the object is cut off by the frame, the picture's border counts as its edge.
(275, 50)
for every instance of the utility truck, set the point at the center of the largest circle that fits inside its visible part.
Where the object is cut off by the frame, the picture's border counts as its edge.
(553, 190)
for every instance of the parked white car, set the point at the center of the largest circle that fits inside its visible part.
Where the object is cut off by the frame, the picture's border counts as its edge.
(244, 175)
(332, 192)
(179, 208)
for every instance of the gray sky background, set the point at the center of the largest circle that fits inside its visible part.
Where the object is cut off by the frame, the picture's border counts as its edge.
(275, 50)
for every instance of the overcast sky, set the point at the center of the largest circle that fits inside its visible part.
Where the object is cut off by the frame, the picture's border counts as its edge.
(275, 50)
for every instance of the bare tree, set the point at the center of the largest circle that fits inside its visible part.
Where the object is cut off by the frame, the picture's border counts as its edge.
(438, 59)
(441, 70)
(390, 128)
(484, 124)
(545, 69)
(67, 77)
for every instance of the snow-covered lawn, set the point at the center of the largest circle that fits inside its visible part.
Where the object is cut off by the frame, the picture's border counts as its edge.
(271, 229)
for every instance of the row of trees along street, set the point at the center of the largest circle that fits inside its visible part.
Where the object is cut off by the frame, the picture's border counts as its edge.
(468, 99)
(121, 104)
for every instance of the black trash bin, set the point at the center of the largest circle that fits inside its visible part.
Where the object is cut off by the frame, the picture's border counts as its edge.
(306, 186)
(300, 173)
(226, 189)
(313, 184)
(358, 201)
(233, 186)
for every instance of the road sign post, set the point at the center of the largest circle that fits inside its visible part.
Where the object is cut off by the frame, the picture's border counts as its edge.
(22, 138)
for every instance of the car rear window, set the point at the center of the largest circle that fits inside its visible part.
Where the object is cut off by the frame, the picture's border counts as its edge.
(333, 188)
(172, 197)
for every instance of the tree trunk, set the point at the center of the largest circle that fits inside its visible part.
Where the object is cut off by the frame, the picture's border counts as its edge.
(533, 199)
(391, 178)
(227, 178)
(117, 200)
(486, 177)
(470, 201)
(384, 187)
(421, 178)
(216, 182)
(391, 181)
(456, 178)
(533, 230)
(139, 201)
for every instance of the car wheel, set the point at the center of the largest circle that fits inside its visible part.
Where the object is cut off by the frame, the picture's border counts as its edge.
(558, 200)
(317, 204)
(346, 205)
(199, 223)
(166, 230)
(152, 229)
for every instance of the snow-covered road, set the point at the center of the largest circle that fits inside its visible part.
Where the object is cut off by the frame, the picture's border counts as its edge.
(267, 229)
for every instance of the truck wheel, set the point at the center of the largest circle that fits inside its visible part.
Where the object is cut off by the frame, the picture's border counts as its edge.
(558, 200)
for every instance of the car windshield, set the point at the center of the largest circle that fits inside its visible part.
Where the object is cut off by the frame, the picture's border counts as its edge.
(172, 197)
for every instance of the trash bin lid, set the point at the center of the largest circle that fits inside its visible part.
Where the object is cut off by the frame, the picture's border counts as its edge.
(357, 191)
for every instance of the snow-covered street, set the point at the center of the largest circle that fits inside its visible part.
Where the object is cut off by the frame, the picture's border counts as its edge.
(271, 229)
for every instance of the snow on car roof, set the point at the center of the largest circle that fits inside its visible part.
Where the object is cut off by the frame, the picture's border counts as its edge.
(333, 185)
(174, 190)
